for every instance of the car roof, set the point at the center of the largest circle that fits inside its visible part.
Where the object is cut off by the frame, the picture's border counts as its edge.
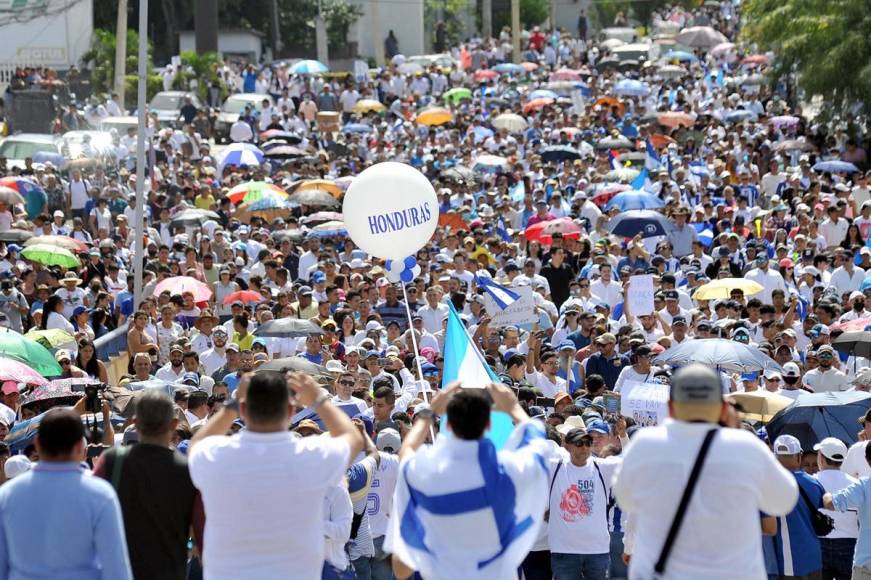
(33, 137)
(254, 97)
(176, 93)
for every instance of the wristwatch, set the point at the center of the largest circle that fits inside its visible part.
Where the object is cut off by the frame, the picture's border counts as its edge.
(232, 405)
(322, 398)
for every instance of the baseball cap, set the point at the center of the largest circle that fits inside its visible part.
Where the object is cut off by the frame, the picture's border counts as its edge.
(388, 440)
(192, 378)
(429, 369)
(598, 426)
(697, 385)
(16, 465)
(577, 435)
(679, 319)
(832, 448)
(787, 445)
(566, 345)
(233, 346)
(308, 424)
(606, 338)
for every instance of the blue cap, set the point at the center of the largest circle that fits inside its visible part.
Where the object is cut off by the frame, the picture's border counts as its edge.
(367, 422)
(261, 341)
(599, 426)
(78, 310)
(13, 248)
(318, 277)
(183, 446)
(749, 376)
(566, 345)
(191, 376)
(429, 369)
(372, 353)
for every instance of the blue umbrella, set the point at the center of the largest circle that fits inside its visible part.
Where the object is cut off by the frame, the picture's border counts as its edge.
(631, 88)
(635, 199)
(740, 115)
(814, 417)
(835, 166)
(720, 353)
(309, 67)
(23, 433)
(680, 56)
(646, 222)
(866, 283)
(356, 128)
(509, 68)
(240, 155)
(543, 94)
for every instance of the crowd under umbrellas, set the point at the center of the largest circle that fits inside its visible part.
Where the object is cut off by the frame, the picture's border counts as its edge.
(565, 182)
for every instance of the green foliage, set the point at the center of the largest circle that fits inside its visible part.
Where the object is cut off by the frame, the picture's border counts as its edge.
(826, 43)
(451, 13)
(100, 59)
(131, 88)
(200, 67)
(297, 21)
(532, 13)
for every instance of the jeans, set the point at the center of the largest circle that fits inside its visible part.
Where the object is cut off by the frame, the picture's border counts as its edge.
(363, 567)
(536, 566)
(580, 566)
(838, 558)
(330, 572)
(381, 569)
(618, 567)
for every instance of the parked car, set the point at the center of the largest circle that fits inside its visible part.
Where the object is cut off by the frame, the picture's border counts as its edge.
(120, 124)
(16, 148)
(88, 145)
(231, 109)
(167, 105)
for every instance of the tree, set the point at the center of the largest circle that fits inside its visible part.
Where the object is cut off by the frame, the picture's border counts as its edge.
(825, 43)
(101, 60)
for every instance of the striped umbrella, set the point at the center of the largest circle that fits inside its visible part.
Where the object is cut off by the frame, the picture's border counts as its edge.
(309, 67)
(240, 155)
(254, 190)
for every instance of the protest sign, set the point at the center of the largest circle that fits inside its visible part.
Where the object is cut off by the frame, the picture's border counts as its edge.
(646, 403)
(522, 311)
(640, 295)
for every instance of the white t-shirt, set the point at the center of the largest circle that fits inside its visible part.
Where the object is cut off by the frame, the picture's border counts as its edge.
(380, 500)
(846, 523)
(630, 374)
(548, 389)
(284, 481)
(578, 521)
(855, 464)
(71, 299)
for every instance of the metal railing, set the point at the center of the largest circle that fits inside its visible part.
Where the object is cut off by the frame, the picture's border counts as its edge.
(112, 344)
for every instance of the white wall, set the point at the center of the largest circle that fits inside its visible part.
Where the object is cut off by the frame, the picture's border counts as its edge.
(404, 17)
(58, 39)
(229, 42)
(566, 14)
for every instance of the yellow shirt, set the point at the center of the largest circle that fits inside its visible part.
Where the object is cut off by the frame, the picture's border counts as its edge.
(204, 202)
(244, 343)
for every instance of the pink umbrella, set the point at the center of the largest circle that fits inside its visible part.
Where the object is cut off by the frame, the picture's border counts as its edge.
(181, 284)
(565, 74)
(12, 370)
(784, 120)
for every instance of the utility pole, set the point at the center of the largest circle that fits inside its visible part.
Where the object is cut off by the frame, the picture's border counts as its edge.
(121, 50)
(515, 30)
(276, 30)
(139, 249)
(321, 36)
(206, 26)
(486, 19)
(376, 33)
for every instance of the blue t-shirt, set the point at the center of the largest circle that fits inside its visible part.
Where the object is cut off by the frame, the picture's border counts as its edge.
(796, 544)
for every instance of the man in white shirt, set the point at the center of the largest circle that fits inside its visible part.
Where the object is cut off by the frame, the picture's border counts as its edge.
(847, 277)
(834, 229)
(214, 358)
(545, 380)
(839, 544)
(826, 378)
(381, 498)
(769, 279)
(348, 99)
(855, 464)
(579, 505)
(719, 535)
(343, 386)
(293, 476)
(605, 288)
(173, 370)
(434, 312)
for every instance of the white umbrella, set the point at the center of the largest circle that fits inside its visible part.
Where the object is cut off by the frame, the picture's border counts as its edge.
(700, 37)
(511, 122)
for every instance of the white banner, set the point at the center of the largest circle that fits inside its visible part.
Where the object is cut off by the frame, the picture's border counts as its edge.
(520, 312)
(640, 295)
(646, 403)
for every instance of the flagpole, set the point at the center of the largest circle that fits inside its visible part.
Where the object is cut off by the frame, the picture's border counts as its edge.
(426, 399)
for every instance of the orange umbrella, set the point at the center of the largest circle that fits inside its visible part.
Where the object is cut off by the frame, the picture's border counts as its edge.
(659, 140)
(323, 184)
(452, 220)
(529, 66)
(611, 102)
(536, 104)
(676, 119)
(435, 116)
(755, 59)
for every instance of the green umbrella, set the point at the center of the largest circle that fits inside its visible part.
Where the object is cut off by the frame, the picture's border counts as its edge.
(51, 338)
(457, 94)
(51, 256)
(30, 352)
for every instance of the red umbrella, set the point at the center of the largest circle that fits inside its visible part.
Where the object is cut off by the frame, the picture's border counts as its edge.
(606, 193)
(485, 75)
(858, 324)
(245, 296)
(543, 231)
(536, 104)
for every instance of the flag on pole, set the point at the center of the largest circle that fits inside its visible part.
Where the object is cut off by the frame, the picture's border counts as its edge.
(652, 161)
(612, 159)
(502, 296)
(640, 181)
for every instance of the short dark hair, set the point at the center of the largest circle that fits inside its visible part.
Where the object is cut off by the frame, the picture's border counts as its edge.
(469, 413)
(267, 398)
(197, 399)
(154, 413)
(59, 432)
(385, 393)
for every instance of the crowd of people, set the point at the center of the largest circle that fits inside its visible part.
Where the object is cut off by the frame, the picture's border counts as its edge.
(229, 467)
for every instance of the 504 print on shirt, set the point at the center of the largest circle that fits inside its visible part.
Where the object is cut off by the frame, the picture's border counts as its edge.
(577, 501)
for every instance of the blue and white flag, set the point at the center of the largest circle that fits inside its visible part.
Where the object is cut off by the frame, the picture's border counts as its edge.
(705, 232)
(502, 296)
(462, 509)
(639, 182)
(652, 162)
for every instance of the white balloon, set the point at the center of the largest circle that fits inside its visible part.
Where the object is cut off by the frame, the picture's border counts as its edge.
(391, 211)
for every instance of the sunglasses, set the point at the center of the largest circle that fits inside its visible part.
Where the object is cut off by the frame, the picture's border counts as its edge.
(583, 443)
(64, 362)
(347, 383)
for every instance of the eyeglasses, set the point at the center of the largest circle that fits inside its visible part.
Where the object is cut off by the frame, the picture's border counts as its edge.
(64, 362)
(346, 383)
(583, 443)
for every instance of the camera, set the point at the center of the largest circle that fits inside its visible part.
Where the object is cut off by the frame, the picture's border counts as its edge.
(93, 397)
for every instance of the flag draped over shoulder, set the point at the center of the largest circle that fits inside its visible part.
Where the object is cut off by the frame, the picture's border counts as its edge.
(463, 510)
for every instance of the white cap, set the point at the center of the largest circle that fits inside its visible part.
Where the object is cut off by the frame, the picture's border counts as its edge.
(833, 448)
(787, 445)
(571, 422)
(16, 465)
(335, 366)
(790, 369)
(388, 440)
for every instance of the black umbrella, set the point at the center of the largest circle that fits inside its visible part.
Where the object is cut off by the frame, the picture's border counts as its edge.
(560, 153)
(459, 173)
(15, 236)
(293, 363)
(277, 134)
(289, 327)
(284, 152)
(644, 221)
(857, 343)
(292, 235)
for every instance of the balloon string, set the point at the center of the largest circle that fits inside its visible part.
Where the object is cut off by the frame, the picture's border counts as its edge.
(425, 384)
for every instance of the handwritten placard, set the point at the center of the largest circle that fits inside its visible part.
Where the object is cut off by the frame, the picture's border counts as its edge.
(640, 295)
(646, 403)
